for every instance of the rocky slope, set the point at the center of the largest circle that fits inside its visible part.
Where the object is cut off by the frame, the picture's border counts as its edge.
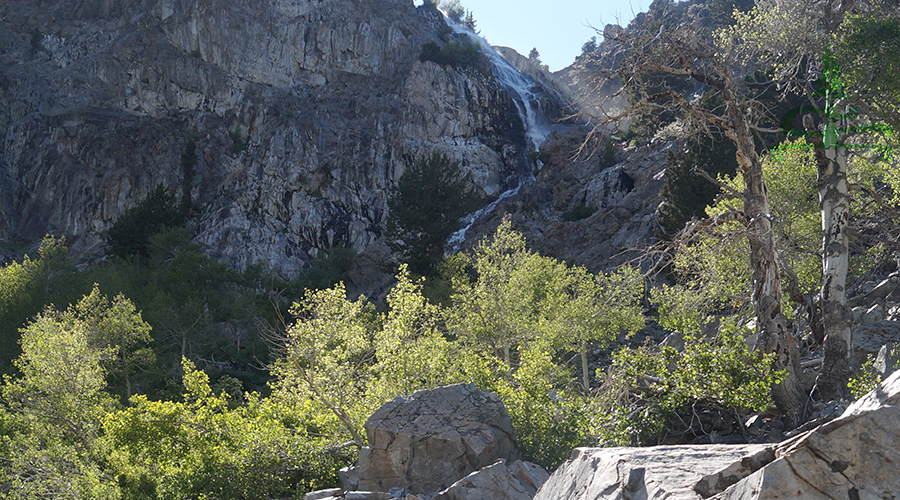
(304, 112)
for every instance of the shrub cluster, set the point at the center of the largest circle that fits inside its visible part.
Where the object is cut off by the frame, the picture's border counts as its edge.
(459, 52)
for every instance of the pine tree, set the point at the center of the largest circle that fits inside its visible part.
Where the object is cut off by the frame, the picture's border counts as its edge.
(425, 210)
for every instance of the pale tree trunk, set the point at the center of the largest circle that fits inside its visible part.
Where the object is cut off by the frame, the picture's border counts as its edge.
(773, 336)
(834, 201)
(584, 367)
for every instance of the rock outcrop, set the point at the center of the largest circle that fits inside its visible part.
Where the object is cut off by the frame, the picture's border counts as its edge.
(429, 440)
(619, 200)
(304, 113)
(854, 456)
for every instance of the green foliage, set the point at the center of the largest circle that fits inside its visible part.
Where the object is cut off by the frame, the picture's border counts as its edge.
(869, 58)
(719, 371)
(685, 194)
(27, 287)
(713, 266)
(578, 212)
(453, 8)
(411, 350)
(504, 307)
(589, 46)
(425, 209)
(57, 402)
(130, 234)
(597, 308)
(608, 155)
(328, 353)
(198, 308)
(549, 419)
(459, 52)
(329, 269)
(867, 377)
(203, 448)
(118, 327)
(239, 143)
(37, 40)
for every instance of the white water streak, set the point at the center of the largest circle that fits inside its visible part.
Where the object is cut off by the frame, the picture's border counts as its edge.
(528, 103)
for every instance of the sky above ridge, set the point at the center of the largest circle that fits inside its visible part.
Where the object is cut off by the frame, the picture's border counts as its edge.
(557, 28)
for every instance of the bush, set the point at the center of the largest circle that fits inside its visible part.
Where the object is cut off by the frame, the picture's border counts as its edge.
(717, 373)
(460, 52)
(685, 194)
(581, 211)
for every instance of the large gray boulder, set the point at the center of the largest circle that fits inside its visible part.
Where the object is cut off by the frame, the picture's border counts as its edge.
(855, 456)
(430, 440)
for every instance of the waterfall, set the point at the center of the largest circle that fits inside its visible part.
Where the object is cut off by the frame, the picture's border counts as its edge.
(528, 103)
(537, 126)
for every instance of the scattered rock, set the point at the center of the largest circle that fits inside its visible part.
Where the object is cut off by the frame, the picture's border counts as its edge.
(869, 337)
(886, 361)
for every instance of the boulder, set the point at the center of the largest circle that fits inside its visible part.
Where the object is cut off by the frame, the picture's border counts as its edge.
(432, 439)
(500, 481)
(652, 472)
(869, 337)
(854, 456)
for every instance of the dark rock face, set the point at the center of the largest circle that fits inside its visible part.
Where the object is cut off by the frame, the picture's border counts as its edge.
(624, 196)
(428, 441)
(304, 112)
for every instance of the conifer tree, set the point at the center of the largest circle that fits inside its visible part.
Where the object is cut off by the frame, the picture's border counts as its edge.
(425, 209)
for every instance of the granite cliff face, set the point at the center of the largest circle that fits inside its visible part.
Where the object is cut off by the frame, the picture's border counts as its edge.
(304, 113)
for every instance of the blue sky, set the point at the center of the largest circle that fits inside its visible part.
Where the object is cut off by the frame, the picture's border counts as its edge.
(557, 28)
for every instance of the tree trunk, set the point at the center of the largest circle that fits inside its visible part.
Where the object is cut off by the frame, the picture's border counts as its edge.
(834, 201)
(773, 336)
(584, 367)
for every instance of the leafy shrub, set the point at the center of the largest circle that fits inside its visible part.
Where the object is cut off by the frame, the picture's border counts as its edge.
(719, 372)
(238, 141)
(685, 194)
(608, 155)
(549, 420)
(867, 377)
(28, 286)
(203, 448)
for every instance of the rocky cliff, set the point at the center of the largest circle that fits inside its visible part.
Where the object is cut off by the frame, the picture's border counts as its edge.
(304, 113)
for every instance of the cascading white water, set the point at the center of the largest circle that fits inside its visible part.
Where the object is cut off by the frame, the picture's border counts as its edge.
(537, 127)
(528, 103)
